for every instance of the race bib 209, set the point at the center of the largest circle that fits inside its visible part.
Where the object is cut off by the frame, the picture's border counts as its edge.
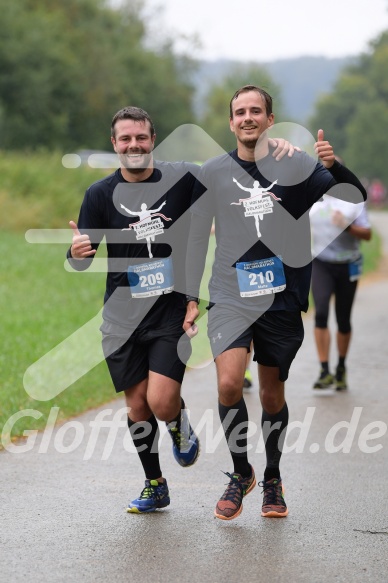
(154, 278)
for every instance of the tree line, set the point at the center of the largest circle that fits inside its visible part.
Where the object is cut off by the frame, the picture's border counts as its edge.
(67, 67)
(355, 113)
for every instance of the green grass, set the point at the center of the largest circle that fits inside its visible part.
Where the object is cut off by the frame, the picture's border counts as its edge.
(38, 192)
(41, 305)
(372, 252)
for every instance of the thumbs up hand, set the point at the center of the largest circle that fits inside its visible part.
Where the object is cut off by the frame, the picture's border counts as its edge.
(324, 150)
(81, 246)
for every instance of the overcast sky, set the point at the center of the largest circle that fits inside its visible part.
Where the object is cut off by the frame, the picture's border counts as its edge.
(265, 30)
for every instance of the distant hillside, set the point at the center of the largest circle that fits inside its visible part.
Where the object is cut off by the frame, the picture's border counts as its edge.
(302, 80)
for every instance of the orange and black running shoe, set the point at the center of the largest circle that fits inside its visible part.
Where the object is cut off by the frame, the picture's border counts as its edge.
(230, 505)
(274, 504)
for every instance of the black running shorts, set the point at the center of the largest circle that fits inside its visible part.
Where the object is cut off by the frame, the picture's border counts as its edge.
(277, 335)
(130, 359)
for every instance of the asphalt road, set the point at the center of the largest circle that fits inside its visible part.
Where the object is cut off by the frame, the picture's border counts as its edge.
(63, 500)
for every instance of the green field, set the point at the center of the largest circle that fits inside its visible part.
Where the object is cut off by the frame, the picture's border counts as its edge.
(42, 304)
(372, 253)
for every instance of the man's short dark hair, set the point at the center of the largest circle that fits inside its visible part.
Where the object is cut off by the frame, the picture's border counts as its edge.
(130, 112)
(245, 89)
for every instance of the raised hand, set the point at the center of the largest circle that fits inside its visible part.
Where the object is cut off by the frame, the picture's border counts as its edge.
(324, 150)
(81, 246)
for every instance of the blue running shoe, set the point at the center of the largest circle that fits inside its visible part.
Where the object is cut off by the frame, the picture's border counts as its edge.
(154, 495)
(185, 444)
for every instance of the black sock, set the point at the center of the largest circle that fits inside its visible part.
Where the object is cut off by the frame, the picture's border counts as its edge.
(236, 436)
(274, 440)
(176, 422)
(145, 435)
(325, 367)
(341, 362)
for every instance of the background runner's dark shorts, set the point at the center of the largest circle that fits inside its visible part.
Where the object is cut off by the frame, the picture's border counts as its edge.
(129, 360)
(277, 335)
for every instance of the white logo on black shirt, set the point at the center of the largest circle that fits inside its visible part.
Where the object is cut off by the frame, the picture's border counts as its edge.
(147, 227)
(257, 205)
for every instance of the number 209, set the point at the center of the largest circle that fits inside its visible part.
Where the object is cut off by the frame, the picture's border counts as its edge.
(151, 279)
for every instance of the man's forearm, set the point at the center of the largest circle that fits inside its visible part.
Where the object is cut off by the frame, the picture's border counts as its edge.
(197, 247)
(343, 175)
(78, 264)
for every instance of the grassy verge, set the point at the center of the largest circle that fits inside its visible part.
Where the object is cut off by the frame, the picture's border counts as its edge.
(38, 192)
(41, 305)
(372, 252)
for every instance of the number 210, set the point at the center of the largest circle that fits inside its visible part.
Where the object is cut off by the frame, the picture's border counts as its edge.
(260, 278)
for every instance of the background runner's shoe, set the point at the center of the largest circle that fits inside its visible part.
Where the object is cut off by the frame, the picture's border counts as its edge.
(340, 379)
(230, 505)
(274, 504)
(185, 444)
(325, 381)
(154, 495)
(247, 379)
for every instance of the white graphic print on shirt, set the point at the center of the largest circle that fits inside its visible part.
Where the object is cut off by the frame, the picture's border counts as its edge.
(147, 227)
(155, 278)
(256, 206)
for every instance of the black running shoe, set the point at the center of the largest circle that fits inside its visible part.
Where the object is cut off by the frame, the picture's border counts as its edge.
(324, 381)
(247, 379)
(274, 505)
(340, 379)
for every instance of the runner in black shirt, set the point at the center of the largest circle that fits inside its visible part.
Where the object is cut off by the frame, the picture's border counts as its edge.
(260, 279)
(140, 209)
